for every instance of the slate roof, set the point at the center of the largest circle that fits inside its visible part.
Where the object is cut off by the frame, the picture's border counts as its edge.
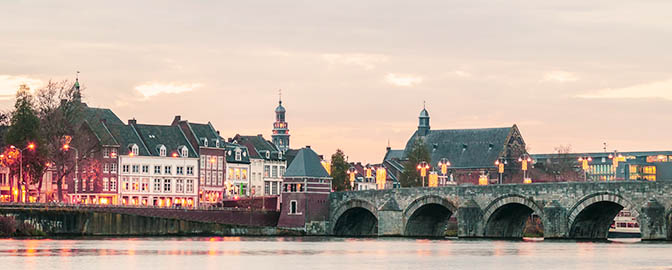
(231, 152)
(126, 136)
(97, 119)
(258, 146)
(171, 137)
(306, 164)
(465, 148)
(394, 154)
(206, 131)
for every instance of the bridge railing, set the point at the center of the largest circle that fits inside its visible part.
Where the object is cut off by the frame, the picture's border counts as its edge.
(98, 206)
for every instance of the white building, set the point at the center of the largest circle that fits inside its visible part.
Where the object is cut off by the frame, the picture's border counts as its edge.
(268, 164)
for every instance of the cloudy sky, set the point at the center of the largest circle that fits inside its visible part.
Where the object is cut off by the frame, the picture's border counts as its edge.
(354, 74)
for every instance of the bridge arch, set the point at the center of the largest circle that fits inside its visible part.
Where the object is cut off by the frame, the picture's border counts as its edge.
(355, 218)
(506, 216)
(428, 216)
(592, 215)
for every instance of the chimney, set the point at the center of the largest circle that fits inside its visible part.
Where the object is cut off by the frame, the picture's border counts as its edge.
(176, 120)
(260, 135)
(308, 146)
(230, 139)
(132, 121)
(217, 132)
(388, 149)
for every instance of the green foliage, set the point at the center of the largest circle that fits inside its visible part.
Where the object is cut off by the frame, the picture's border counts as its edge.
(410, 177)
(339, 171)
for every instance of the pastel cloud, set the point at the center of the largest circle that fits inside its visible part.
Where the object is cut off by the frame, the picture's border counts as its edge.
(366, 61)
(10, 83)
(156, 88)
(403, 80)
(560, 76)
(659, 89)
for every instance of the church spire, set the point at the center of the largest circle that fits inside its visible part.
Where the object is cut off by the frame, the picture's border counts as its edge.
(423, 125)
(280, 134)
(77, 94)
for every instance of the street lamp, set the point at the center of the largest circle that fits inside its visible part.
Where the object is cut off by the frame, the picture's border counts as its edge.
(584, 165)
(423, 167)
(444, 164)
(67, 147)
(352, 171)
(524, 160)
(31, 146)
(616, 157)
(500, 168)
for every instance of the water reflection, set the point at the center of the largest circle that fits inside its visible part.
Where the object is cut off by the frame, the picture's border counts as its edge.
(292, 253)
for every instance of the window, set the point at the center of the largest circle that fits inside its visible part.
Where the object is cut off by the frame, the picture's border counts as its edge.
(135, 150)
(237, 171)
(275, 188)
(125, 168)
(113, 184)
(220, 178)
(190, 170)
(106, 152)
(220, 163)
(91, 184)
(230, 174)
(185, 151)
(145, 185)
(203, 162)
(205, 142)
(136, 184)
(145, 168)
(167, 169)
(166, 185)
(106, 184)
(244, 174)
(238, 154)
(125, 185)
(208, 163)
(267, 188)
(113, 167)
(179, 185)
(157, 185)
(179, 170)
(190, 186)
(202, 177)
(106, 167)
(162, 151)
(136, 168)
(293, 205)
(267, 171)
(282, 171)
(268, 154)
(157, 169)
(113, 152)
(274, 172)
(279, 155)
(217, 143)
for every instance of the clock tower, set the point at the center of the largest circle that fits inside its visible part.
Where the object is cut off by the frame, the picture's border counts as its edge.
(280, 130)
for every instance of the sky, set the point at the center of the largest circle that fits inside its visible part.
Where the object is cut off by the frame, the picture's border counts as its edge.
(354, 74)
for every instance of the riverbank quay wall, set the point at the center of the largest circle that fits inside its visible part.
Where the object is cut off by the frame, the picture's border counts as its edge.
(120, 221)
(568, 210)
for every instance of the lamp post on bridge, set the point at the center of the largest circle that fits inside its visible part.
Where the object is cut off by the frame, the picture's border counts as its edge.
(500, 168)
(423, 167)
(352, 171)
(524, 160)
(444, 164)
(616, 157)
(585, 166)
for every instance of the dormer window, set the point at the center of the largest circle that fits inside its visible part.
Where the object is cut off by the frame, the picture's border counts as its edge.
(134, 149)
(205, 142)
(279, 155)
(217, 143)
(238, 154)
(268, 154)
(162, 150)
(184, 151)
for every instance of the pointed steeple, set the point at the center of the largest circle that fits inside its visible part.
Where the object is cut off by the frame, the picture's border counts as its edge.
(423, 125)
(280, 134)
(77, 94)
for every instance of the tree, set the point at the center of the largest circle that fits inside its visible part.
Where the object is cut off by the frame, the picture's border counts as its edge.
(561, 166)
(339, 171)
(61, 112)
(410, 177)
(25, 129)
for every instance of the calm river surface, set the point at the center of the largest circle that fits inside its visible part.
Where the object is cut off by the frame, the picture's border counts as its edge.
(327, 253)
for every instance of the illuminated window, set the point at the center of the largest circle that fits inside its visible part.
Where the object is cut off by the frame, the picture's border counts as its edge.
(113, 167)
(244, 174)
(113, 184)
(145, 185)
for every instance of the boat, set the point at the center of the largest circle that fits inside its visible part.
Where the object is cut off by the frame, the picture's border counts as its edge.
(624, 226)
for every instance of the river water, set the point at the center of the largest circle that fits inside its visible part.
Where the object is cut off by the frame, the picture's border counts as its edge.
(328, 253)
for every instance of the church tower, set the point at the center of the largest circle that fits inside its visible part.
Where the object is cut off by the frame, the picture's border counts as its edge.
(280, 131)
(423, 125)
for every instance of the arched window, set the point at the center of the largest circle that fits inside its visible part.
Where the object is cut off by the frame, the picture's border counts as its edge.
(135, 150)
(217, 143)
(185, 151)
(205, 142)
(162, 150)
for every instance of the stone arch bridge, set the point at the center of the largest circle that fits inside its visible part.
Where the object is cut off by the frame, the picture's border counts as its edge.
(568, 210)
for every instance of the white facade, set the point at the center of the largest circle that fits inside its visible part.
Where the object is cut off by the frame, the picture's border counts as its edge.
(256, 179)
(237, 177)
(158, 181)
(274, 170)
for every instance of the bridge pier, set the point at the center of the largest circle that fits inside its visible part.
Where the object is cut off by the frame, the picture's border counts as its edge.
(469, 220)
(555, 221)
(652, 221)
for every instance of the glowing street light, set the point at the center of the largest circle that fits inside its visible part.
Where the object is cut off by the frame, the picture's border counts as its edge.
(352, 171)
(500, 169)
(67, 147)
(31, 146)
(443, 165)
(524, 160)
(585, 166)
(423, 167)
(616, 157)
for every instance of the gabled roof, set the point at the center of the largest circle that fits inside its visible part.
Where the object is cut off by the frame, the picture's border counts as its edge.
(258, 147)
(394, 154)
(98, 119)
(306, 164)
(231, 152)
(465, 148)
(126, 136)
(206, 131)
(171, 137)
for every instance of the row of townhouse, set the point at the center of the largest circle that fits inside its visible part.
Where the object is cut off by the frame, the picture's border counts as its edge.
(183, 164)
